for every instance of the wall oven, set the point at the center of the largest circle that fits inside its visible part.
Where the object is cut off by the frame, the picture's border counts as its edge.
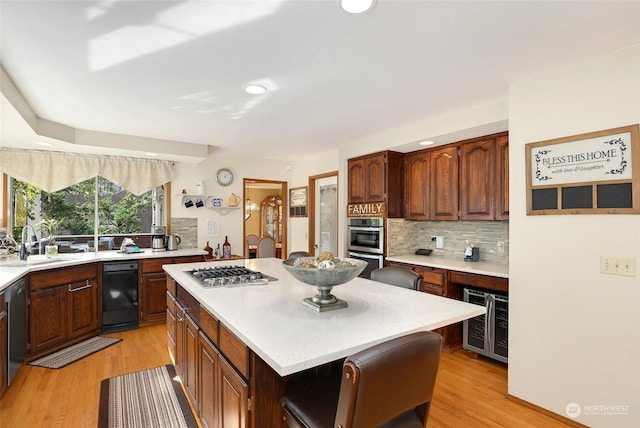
(366, 242)
(366, 235)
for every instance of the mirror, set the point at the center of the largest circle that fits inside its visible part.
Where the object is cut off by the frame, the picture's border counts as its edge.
(265, 205)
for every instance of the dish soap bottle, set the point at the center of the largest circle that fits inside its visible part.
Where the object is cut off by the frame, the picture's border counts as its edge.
(226, 249)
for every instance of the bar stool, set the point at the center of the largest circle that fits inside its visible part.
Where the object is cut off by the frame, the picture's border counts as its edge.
(387, 385)
(398, 276)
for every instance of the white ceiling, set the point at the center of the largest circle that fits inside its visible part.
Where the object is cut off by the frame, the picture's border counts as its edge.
(174, 70)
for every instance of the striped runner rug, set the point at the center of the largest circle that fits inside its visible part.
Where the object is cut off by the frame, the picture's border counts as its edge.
(150, 398)
(73, 353)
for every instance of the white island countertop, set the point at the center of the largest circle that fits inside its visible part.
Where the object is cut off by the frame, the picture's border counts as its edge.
(12, 268)
(500, 270)
(274, 323)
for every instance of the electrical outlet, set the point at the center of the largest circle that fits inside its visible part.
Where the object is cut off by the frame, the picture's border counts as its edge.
(625, 266)
(501, 246)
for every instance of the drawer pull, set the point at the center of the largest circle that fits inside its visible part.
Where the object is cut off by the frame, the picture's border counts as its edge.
(84, 287)
(3, 315)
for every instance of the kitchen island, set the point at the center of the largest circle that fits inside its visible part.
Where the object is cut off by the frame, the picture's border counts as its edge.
(283, 336)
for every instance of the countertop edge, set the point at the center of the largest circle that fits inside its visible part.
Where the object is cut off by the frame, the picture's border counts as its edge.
(8, 275)
(481, 268)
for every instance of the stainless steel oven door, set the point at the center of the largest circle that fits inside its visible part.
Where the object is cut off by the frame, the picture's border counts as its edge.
(374, 261)
(366, 239)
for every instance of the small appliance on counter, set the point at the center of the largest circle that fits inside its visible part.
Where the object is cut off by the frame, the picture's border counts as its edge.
(471, 254)
(158, 238)
(172, 242)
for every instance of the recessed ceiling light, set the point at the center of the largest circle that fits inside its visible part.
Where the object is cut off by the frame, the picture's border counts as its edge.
(151, 154)
(356, 6)
(255, 89)
(426, 143)
(42, 143)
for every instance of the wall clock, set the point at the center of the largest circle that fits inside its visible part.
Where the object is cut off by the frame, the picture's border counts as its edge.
(224, 176)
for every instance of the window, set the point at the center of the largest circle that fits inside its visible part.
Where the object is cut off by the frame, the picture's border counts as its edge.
(120, 214)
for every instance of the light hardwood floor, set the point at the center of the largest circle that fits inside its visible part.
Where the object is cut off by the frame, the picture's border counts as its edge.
(469, 393)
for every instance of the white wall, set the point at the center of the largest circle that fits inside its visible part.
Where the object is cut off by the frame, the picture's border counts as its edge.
(231, 224)
(574, 333)
(301, 170)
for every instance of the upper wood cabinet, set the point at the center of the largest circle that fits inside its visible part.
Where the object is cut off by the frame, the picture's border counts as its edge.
(417, 185)
(484, 179)
(377, 177)
(502, 178)
(468, 180)
(444, 184)
(477, 180)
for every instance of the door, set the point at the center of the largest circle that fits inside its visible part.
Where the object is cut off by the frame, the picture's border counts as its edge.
(325, 214)
(82, 307)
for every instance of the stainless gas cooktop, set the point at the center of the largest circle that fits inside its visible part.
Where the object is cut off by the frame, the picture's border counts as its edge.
(229, 276)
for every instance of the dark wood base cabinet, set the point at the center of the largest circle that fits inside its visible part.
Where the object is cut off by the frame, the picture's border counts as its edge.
(63, 308)
(153, 287)
(224, 380)
(3, 346)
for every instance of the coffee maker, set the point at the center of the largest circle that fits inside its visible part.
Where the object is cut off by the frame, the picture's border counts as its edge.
(158, 238)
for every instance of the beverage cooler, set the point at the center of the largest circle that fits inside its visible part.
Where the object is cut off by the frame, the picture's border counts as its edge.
(488, 334)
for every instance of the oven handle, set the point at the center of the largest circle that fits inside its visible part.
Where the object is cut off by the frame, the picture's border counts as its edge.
(364, 229)
(366, 256)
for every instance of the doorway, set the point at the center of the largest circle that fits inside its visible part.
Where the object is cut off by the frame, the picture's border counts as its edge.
(323, 213)
(265, 214)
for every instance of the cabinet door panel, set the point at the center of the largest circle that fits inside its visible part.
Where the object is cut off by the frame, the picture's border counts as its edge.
(477, 180)
(190, 378)
(502, 178)
(3, 345)
(356, 182)
(208, 380)
(82, 306)
(153, 300)
(417, 182)
(375, 178)
(234, 396)
(48, 318)
(444, 184)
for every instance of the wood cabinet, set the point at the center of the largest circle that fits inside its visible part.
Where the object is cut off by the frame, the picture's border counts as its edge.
(377, 177)
(153, 287)
(3, 346)
(209, 383)
(444, 184)
(484, 179)
(63, 308)
(435, 281)
(431, 184)
(502, 178)
(213, 364)
(417, 185)
(468, 180)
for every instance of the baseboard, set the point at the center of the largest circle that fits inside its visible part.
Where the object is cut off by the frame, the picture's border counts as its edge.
(564, 420)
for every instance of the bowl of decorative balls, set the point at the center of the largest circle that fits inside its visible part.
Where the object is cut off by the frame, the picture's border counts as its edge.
(324, 273)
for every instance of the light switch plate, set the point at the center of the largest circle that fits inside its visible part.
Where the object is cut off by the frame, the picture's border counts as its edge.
(625, 266)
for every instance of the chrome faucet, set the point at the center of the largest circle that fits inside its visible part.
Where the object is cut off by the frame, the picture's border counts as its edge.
(24, 253)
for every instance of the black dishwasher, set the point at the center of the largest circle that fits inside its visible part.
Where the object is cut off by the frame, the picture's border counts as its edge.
(119, 296)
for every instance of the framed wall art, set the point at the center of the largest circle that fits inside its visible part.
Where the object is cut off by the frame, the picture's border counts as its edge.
(594, 173)
(298, 202)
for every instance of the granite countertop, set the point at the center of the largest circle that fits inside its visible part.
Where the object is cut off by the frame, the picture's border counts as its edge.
(12, 268)
(500, 270)
(273, 321)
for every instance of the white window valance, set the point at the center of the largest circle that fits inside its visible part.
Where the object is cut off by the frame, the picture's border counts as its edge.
(53, 171)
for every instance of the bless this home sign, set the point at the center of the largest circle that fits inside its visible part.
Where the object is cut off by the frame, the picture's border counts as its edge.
(588, 173)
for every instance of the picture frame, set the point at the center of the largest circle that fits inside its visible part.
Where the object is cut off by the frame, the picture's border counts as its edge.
(298, 201)
(592, 173)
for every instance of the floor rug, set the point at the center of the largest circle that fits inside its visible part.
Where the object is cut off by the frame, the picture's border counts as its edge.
(146, 399)
(73, 353)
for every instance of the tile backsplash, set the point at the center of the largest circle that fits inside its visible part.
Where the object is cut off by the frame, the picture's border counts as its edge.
(405, 237)
(187, 230)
